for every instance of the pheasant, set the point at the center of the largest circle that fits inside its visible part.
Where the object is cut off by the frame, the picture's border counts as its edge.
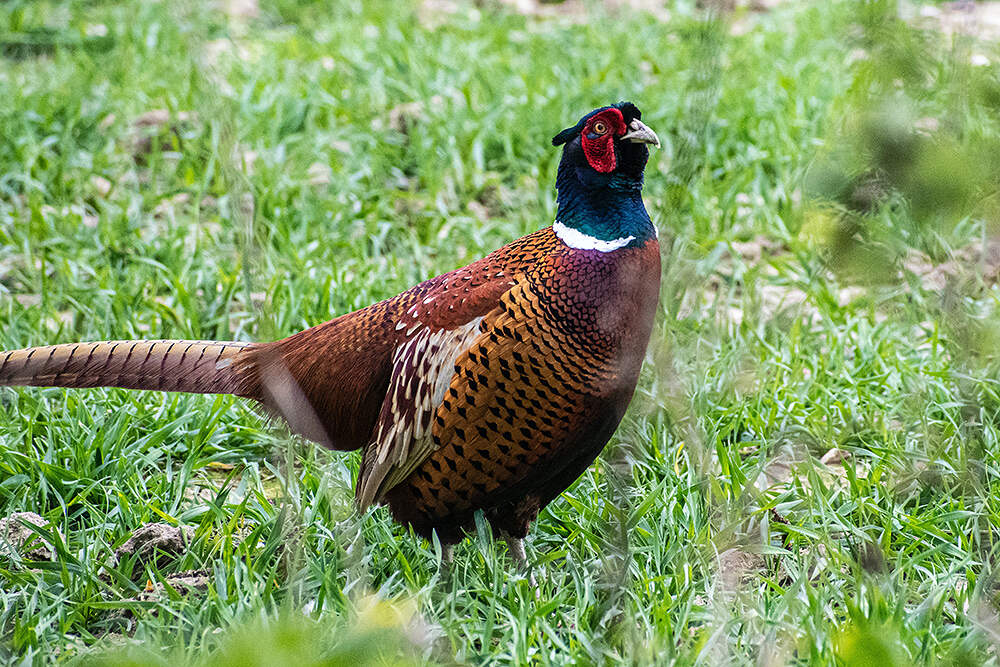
(489, 388)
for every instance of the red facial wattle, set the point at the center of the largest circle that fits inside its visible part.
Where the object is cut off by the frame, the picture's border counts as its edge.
(599, 148)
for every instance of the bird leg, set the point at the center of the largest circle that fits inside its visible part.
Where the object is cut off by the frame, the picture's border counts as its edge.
(447, 560)
(516, 547)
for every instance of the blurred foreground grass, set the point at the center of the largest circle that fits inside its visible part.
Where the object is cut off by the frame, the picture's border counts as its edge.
(810, 470)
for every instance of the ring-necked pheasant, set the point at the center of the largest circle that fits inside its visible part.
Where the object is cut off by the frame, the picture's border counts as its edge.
(491, 387)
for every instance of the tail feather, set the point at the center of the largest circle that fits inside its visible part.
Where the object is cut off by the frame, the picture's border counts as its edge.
(202, 367)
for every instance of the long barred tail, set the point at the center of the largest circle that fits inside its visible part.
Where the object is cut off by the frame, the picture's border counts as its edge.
(201, 367)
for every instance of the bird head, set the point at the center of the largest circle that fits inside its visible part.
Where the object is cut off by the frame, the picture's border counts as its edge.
(607, 143)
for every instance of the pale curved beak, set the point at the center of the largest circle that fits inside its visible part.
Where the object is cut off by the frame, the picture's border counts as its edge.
(641, 134)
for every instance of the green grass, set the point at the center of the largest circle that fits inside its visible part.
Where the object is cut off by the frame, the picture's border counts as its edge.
(334, 155)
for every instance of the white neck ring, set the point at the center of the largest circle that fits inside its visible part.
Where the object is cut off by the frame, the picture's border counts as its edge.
(574, 238)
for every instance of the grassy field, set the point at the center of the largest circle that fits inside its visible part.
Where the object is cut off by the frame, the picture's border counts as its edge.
(810, 471)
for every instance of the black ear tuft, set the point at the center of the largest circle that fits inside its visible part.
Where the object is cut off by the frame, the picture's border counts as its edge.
(629, 111)
(566, 135)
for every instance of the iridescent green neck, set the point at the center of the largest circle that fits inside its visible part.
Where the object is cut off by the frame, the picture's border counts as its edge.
(607, 209)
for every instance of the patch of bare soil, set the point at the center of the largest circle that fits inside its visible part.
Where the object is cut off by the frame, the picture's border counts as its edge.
(740, 15)
(183, 583)
(757, 249)
(433, 13)
(159, 541)
(240, 9)
(744, 281)
(158, 127)
(216, 477)
(835, 457)
(978, 260)
(792, 463)
(123, 622)
(403, 118)
(976, 19)
(767, 293)
(738, 568)
(18, 540)
(656, 8)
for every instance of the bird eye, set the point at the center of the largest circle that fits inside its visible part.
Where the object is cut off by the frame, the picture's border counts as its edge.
(600, 128)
